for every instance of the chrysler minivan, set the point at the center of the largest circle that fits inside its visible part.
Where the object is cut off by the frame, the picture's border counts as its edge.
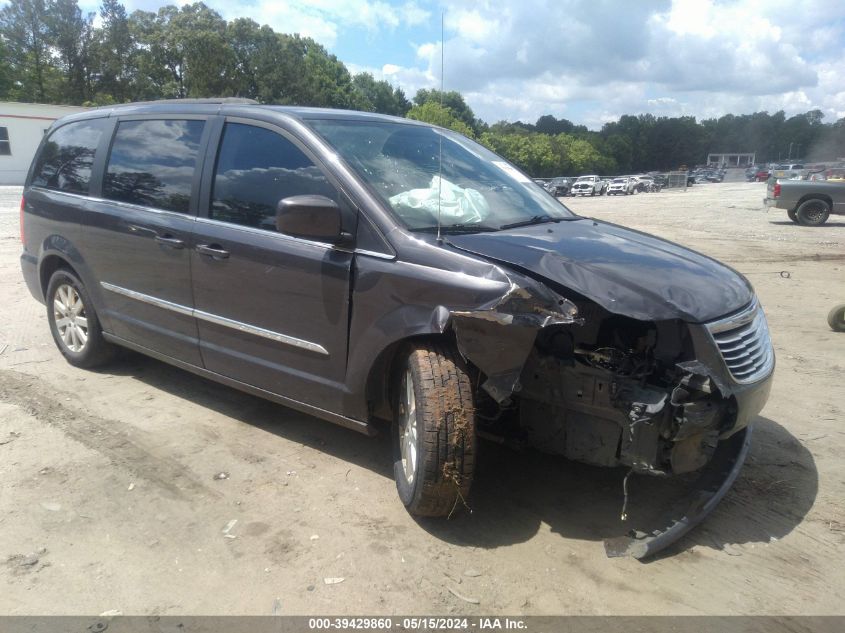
(374, 271)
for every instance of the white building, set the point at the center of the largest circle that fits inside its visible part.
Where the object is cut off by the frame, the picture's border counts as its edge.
(732, 160)
(22, 125)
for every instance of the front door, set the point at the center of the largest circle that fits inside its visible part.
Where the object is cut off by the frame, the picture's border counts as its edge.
(137, 234)
(272, 310)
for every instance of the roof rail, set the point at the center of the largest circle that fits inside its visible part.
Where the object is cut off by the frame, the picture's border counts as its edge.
(210, 101)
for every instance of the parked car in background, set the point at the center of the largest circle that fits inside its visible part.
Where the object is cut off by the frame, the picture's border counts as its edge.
(789, 171)
(624, 186)
(762, 174)
(645, 184)
(806, 202)
(588, 186)
(836, 174)
(560, 186)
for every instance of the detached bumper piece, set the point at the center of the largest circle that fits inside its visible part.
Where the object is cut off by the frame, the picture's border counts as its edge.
(715, 480)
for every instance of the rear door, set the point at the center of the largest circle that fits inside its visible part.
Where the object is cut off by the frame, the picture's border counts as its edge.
(138, 232)
(272, 310)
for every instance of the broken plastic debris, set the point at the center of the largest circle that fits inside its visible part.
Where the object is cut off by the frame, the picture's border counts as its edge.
(333, 581)
(462, 597)
(229, 527)
(131, 487)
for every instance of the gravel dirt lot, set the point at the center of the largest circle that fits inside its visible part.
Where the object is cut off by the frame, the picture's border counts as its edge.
(109, 501)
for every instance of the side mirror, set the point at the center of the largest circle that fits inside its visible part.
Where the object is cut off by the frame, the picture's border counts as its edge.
(310, 217)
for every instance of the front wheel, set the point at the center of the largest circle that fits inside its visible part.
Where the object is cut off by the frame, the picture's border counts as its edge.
(434, 430)
(836, 318)
(74, 323)
(813, 212)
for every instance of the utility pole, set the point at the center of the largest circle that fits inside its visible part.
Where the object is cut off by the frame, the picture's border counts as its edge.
(790, 152)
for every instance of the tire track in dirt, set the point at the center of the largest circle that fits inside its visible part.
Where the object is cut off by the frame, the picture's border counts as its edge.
(116, 441)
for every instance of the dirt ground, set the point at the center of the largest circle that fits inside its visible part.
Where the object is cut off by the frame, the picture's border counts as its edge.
(109, 500)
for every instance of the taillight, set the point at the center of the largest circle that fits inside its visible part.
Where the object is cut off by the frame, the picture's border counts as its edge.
(777, 190)
(23, 204)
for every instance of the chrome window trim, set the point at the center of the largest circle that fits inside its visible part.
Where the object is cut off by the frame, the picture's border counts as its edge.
(271, 234)
(362, 251)
(216, 319)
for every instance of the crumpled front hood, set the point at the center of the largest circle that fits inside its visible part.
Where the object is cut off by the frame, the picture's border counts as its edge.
(624, 271)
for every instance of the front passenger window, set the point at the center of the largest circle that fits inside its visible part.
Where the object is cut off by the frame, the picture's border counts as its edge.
(256, 168)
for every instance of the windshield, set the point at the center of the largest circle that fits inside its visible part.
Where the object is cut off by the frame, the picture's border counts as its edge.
(474, 190)
(620, 181)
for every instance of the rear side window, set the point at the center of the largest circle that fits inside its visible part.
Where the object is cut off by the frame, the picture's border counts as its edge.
(256, 168)
(152, 163)
(66, 157)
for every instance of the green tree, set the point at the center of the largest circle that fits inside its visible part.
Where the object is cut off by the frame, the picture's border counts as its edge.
(24, 27)
(379, 96)
(115, 52)
(71, 34)
(452, 100)
(196, 35)
(436, 114)
(5, 72)
(533, 153)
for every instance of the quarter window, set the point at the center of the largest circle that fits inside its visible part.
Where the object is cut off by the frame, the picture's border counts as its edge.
(256, 168)
(66, 157)
(152, 163)
(5, 148)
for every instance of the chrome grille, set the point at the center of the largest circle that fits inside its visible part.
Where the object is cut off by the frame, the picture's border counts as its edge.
(744, 342)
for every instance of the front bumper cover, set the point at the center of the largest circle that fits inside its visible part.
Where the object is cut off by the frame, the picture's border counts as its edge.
(713, 483)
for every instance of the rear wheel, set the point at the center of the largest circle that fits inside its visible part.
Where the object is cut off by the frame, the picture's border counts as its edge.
(812, 212)
(434, 430)
(74, 323)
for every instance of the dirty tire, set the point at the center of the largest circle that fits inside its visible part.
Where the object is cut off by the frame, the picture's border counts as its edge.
(96, 350)
(441, 471)
(813, 212)
(792, 216)
(836, 318)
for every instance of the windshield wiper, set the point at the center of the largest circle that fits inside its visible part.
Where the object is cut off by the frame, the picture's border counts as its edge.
(535, 219)
(455, 228)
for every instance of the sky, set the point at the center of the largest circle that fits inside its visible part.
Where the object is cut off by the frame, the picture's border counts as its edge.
(589, 61)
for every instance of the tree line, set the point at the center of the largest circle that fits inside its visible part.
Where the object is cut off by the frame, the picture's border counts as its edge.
(52, 52)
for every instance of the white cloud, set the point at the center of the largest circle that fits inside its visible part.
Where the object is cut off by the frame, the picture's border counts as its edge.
(595, 60)
(322, 19)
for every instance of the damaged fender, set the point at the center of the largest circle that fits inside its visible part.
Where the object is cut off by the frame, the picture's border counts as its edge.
(498, 337)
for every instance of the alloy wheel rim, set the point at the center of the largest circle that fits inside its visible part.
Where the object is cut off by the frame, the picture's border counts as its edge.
(408, 428)
(70, 318)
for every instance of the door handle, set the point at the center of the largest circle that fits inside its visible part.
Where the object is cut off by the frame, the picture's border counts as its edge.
(169, 240)
(212, 250)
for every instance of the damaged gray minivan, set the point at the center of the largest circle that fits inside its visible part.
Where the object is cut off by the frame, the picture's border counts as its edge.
(362, 268)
